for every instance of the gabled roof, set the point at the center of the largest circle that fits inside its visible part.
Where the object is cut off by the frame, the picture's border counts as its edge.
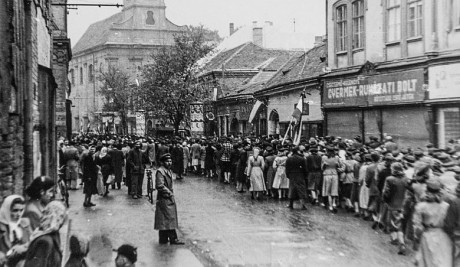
(248, 56)
(308, 65)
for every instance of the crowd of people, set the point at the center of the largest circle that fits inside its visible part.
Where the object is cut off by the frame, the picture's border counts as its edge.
(410, 193)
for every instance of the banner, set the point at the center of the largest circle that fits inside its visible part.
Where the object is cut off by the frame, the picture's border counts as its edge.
(140, 123)
(196, 119)
(383, 89)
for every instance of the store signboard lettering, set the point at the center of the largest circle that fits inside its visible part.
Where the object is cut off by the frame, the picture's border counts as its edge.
(196, 119)
(444, 81)
(375, 90)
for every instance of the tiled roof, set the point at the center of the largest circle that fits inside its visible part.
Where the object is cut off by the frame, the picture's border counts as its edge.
(248, 56)
(307, 65)
(97, 34)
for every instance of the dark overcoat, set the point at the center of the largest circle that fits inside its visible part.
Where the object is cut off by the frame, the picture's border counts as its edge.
(44, 251)
(118, 161)
(166, 211)
(177, 155)
(296, 172)
(90, 170)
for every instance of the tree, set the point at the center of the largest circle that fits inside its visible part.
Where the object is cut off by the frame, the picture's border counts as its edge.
(169, 84)
(118, 92)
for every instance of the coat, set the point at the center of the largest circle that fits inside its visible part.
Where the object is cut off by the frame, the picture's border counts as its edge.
(166, 211)
(177, 155)
(44, 251)
(5, 243)
(90, 171)
(136, 161)
(296, 172)
(394, 191)
(118, 161)
(371, 180)
(452, 228)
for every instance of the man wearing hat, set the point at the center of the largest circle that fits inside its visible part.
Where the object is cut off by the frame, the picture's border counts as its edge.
(166, 211)
(136, 160)
(126, 257)
(452, 225)
(390, 146)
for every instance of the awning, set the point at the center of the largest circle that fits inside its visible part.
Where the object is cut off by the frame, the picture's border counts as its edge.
(254, 110)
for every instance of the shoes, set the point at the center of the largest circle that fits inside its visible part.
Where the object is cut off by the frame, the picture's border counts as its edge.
(106, 193)
(86, 205)
(402, 250)
(91, 204)
(357, 215)
(394, 242)
(177, 242)
(374, 225)
(135, 197)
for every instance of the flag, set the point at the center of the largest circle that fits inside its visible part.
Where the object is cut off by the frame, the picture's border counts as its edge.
(254, 110)
(297, 114)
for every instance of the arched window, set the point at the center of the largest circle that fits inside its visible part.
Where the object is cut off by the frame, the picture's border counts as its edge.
(150, 20)
(90, 73)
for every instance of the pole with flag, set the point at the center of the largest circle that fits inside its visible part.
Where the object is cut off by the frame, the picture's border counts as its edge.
(297, 121)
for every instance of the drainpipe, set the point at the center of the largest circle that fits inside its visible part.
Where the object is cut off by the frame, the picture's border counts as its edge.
(28, 96)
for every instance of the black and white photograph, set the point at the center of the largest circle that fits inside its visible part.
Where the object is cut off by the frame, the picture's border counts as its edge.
(230, 133)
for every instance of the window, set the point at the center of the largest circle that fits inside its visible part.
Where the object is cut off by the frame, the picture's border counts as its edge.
(341, 19)
(81, 75)
(90, 73)
(358, 24)
(72, 77)
(456, 13)
(150, 20)
(414, 19)
(393, 20)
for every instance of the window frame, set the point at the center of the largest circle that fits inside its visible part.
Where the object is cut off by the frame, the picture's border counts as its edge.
(341, 41)
(81, 75)
(361, 19)
(417, 21)
(397, 8)
(456, 14)
(90, 73)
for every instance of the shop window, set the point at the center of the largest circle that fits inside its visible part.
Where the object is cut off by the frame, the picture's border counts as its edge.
(341, 30)
(393, 20)
(358, 24)
(90, 73)
(414, 19)
(150, 20)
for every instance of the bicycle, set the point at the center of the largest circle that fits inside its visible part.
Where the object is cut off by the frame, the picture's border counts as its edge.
(150, 187)
(61, 186)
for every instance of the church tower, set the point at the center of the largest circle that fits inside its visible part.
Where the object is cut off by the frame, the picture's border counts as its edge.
(148, 14)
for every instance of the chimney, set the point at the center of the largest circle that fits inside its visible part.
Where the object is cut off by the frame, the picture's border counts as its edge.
(232, 28)
(318, 40)
(254, 24)
(257, 36)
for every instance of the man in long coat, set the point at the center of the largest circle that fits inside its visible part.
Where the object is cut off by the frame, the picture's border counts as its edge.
(136, 160)
(118, 161)
(177, 155)
(452, 225)
(296, 172)
(166, 211)
(89, 178)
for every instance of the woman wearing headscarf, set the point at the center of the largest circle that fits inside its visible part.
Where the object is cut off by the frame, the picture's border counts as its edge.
(15, 231)
(45, 243)
(434, 247)
(255, 173)
(105, 162)
(79, 249)
(40, 192)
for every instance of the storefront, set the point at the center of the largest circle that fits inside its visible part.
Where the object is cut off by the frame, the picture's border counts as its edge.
(444, 96)
(386, 103)
(233, 115)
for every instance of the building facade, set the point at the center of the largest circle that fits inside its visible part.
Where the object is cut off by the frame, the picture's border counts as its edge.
(126, 41)
(29, 92)
(379, 57)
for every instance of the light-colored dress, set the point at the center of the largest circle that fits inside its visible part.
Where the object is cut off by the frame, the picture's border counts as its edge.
(364, 192)
(256, 175)
(280, 181)
(435, 248)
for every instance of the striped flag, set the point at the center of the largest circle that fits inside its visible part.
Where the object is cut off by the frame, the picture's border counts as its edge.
(297, 114)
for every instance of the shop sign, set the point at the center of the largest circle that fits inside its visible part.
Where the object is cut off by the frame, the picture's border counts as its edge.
(444, 81)
(394, 88)
(140, 123)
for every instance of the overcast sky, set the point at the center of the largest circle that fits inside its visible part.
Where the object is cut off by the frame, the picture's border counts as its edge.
(309, 15)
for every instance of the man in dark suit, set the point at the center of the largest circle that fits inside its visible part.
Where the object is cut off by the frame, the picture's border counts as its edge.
(118, 161)
(296, 172)
(136, 165)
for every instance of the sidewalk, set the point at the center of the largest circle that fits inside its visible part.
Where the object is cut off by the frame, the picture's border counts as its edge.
(118, 219)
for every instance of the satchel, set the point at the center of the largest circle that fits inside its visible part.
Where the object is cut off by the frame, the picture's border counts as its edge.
(110, 179)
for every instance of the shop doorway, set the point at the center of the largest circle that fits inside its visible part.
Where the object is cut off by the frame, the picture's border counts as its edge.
(274, 123)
